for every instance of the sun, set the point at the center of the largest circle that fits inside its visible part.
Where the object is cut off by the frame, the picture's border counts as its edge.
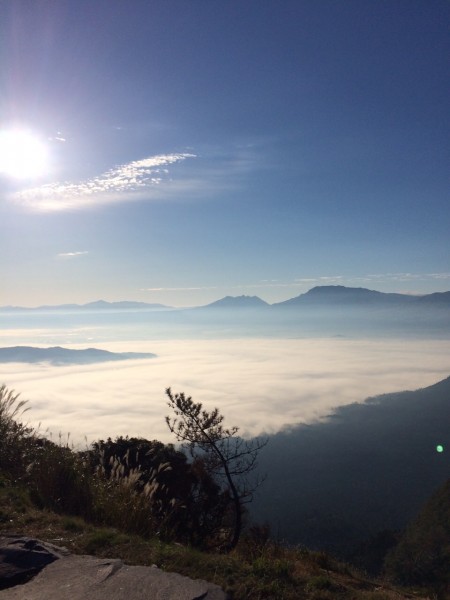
(22, 154)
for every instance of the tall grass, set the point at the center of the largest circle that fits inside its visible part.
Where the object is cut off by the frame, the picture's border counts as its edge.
(15, 436)
(60, 479)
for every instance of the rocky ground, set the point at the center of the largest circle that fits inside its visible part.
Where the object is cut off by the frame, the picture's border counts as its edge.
(37, 570)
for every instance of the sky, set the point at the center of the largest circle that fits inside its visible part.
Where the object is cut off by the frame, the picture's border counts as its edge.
(177, 152)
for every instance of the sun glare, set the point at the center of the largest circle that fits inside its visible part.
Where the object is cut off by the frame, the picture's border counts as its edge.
(22, 155)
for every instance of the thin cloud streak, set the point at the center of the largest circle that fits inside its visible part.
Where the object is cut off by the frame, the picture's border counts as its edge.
(307, 282)
(72, 254)
(178, 289)
(125, 182)
(260, 385)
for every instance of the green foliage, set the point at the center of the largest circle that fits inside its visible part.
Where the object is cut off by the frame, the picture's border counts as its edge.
(103, 538)
(59, 479)
(73, 524)
(272, 568)
(371, 554)
(422, 556)
(322, 559)
(319, 582)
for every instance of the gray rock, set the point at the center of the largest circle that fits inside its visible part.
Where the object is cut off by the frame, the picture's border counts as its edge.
(74, 577)
(22, 558)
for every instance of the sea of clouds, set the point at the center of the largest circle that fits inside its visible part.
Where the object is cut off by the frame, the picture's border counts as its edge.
(261, 385)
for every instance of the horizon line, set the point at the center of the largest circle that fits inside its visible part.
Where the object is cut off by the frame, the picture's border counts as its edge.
(85, 304)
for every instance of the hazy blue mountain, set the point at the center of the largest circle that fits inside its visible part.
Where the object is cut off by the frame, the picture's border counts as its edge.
(326, 296)
(322, 311)
(65, 356)
(231, 302)
(10, 308)
(97, 305)
(436, 299)
(124, 305)
(340, 295)
(367, 468)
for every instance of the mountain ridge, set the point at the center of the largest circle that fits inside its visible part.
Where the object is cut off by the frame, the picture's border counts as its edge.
(58, 355)
(95, 305)
(340, 294)
(318, 295)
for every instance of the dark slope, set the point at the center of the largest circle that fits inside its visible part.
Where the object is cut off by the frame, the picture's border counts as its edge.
(64, 356)
(367, 468)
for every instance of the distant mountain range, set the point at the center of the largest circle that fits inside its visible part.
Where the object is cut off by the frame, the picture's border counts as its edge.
(337, 295)
(98, 305)
(64, 356)
(329, 295)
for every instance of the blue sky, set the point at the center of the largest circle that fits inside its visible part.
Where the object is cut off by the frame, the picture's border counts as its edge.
(203, 148)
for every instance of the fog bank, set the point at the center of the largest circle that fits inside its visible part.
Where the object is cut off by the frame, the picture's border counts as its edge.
(261, 385)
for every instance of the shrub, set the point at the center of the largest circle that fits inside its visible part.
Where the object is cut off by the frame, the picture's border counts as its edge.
(422, 556)
(103, 538)
(59, 479)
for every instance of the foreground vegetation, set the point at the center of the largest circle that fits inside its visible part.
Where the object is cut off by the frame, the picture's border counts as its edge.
(111, 502)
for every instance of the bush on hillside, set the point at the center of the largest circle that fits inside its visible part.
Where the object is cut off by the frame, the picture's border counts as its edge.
(138, 485)
(183, 500)
(422, 556)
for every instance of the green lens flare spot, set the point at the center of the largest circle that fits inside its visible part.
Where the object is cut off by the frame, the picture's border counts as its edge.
(439, 448)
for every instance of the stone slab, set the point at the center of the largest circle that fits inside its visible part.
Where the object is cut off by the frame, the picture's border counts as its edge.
(21, 558)
(75, 577)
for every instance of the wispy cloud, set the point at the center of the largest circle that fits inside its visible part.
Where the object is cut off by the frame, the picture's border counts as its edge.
(178, 289)
(401, 277)
(72, 254)
(125, 182)
(373, 278)
(303, 284)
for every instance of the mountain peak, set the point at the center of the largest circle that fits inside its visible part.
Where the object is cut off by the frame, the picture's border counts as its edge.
(340, 289)
(238, 302)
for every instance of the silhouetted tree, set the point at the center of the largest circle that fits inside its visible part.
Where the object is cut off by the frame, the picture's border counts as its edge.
(227, 457)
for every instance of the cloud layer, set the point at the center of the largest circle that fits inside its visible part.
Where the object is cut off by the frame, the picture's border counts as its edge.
(260, 385)
(126, 181)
